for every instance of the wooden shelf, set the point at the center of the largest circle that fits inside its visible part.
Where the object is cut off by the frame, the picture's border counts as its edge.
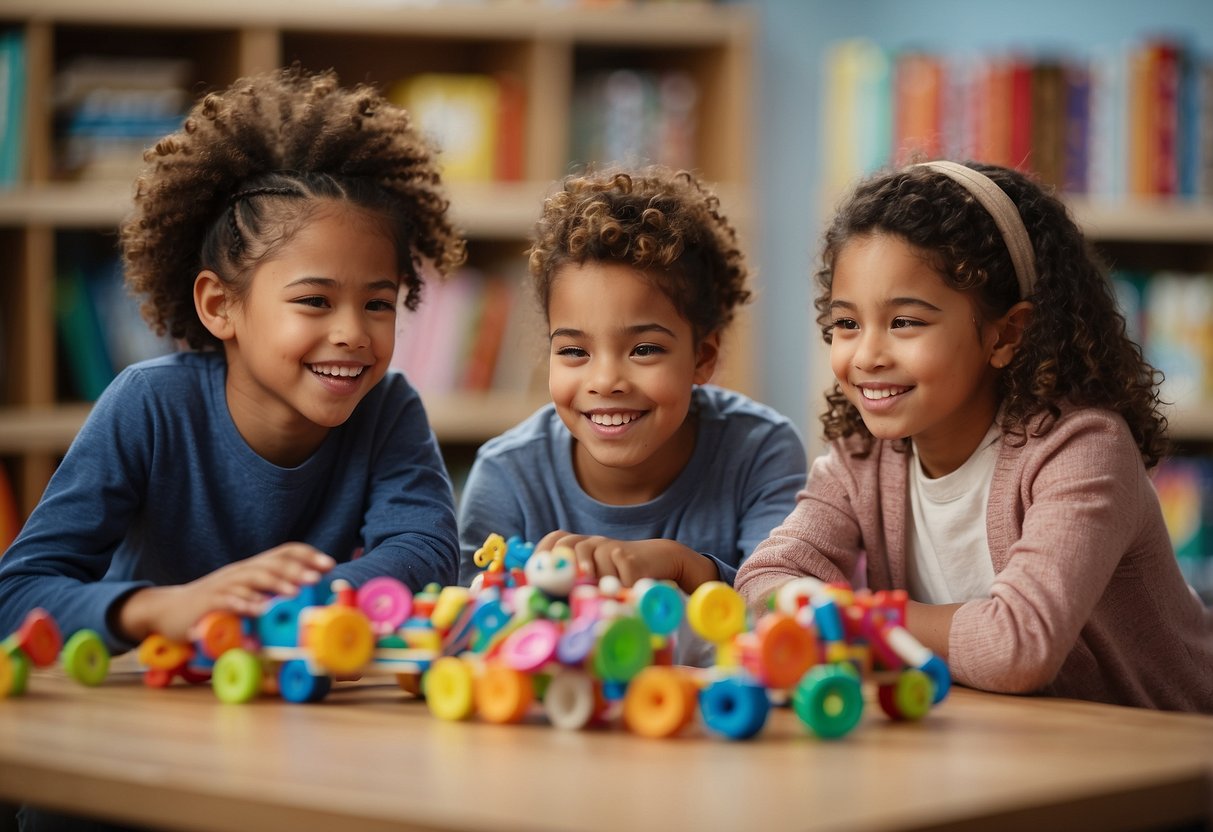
(1160, 221)
(456, 418)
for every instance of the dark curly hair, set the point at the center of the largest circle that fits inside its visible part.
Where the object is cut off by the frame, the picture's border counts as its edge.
(663, 222)
(1075, 348)
(249, 167)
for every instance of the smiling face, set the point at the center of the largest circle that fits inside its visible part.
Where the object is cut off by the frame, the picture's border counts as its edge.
(621, 368)
(313, 333)
(910, 352)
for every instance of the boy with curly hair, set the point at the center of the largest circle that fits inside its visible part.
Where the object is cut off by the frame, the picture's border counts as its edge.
(638, 464)
(275, 236)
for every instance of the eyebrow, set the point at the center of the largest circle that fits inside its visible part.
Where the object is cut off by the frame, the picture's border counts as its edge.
(328, 283)
(635, 329)
(890, 303)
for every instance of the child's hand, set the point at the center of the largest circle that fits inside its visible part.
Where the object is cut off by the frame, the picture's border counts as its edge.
(242, 588)
(631, 560)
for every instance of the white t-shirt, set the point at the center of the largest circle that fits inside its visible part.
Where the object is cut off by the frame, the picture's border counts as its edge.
(947, 554)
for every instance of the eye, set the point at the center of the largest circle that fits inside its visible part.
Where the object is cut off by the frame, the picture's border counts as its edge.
(316, 301)
(844, 323)
(571, 352)
(561, 563)
(902, 323)
(647, 350)
(380, 305)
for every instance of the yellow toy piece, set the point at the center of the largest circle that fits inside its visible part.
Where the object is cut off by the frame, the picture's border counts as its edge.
(340, 639)
(716, 611)
(451, 601)
(160, 653)
(491, 555)
(448, 686)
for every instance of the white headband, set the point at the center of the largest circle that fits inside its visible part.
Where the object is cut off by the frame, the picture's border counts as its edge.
(1006, 216)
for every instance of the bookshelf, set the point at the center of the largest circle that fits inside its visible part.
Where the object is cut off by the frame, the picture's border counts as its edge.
(545, 48)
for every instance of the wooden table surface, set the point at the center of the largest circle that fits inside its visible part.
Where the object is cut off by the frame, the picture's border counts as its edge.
(370, 758)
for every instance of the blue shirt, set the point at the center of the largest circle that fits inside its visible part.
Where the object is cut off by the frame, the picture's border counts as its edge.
(741, 481)
(159, 488)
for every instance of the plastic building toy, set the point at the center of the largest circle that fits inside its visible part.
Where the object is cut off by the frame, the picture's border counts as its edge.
(300, 645)
(38, 643)
(606, 654)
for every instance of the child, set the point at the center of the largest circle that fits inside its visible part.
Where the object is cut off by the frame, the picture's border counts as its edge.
(274, 235)
(991, 430)
(637, 464)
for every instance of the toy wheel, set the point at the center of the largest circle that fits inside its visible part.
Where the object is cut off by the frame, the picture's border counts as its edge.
(17, 674)
(659, 702)
(624, 648)
(297, 684)
(734, 708)
(340, 640)
(278, 625)
(829, 700)
(941, 678)
(159, 653)
(661, 607)
(576, 643)
(85, 658)
(503, 694)
(218, 632)
(716, 611)
(909, 698)
(570, 701)
(157, 677)
(531, 646)
(237, 676)
(448, 686)
(38, 637)
(385, 602)
(786, 649)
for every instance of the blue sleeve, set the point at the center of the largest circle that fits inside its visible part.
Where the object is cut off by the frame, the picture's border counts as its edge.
(489, 504)
(409, 523)
(65, 549)
(778, 470)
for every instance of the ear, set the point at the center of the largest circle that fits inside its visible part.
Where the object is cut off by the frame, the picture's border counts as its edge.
(1011, 327)
(706, 356)
(212, 303)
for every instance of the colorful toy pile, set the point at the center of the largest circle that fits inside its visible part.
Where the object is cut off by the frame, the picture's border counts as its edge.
(38, 643)
(529, 630)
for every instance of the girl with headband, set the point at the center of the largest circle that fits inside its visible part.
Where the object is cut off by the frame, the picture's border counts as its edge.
(991, 433)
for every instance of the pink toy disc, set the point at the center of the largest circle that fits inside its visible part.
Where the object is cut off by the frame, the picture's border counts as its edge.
(386, 602)
(531, 646)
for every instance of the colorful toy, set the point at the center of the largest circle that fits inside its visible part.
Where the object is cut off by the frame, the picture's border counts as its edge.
(38, 643)
(607, 654)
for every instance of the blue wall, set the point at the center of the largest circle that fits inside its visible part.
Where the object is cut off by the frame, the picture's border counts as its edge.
(794, 37)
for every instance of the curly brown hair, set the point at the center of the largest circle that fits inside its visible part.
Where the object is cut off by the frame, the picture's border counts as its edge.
(662, 222)
(1075, 349)
(248, 168)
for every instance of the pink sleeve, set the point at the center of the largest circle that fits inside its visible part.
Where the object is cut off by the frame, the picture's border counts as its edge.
(819, 538)
(1081, 498)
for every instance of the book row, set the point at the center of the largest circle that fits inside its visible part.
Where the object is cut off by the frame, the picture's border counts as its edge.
(1124, 121)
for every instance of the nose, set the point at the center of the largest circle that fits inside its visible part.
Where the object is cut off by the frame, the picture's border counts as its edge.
(349, 330)
(870, 349)
(607, 375)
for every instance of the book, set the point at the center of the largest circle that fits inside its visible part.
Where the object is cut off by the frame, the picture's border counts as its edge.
(12, 106)
(80, 335)
(460, 114)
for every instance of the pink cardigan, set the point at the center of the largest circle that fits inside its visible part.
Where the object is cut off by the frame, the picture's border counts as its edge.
(1087, 600)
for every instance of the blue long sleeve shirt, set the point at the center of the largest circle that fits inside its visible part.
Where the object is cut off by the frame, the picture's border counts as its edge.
(159, 488)
(742, 479)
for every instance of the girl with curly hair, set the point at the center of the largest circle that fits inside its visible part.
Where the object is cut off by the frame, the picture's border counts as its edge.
(638, 464)
(991, 431)
(274, 236)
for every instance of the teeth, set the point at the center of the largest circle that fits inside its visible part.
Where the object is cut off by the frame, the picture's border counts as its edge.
(344, 372)
(886, 393)
(612, 419)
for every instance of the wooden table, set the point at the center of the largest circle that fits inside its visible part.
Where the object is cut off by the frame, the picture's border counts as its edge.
(370, 758)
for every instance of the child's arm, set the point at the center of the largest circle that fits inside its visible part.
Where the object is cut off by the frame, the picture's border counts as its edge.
(931, 624)
(243, 588)
(631, 560)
